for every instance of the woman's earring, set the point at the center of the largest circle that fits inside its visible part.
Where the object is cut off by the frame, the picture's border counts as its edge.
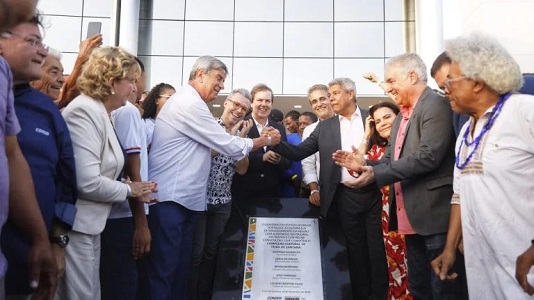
(112, 92)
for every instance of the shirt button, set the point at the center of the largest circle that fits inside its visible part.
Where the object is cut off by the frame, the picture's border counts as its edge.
(262, 175)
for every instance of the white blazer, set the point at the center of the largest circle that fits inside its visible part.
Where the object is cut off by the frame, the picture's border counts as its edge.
(99, 161)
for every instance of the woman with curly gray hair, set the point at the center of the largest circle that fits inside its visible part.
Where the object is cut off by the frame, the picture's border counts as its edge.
(493, 170)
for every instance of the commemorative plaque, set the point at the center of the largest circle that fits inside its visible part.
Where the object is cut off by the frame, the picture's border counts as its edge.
(283, 259)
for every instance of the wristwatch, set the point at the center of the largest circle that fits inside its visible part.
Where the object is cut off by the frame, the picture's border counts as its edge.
(62, 240)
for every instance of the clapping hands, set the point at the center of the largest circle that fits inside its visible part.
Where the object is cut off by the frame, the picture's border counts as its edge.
(350, 160)
(354, 161)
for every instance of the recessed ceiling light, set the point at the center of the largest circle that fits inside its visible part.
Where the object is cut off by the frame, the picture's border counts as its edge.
(297, 106)
(216, 105)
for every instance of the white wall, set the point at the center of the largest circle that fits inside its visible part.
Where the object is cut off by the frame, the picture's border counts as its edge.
(509, 21)
(289, 45)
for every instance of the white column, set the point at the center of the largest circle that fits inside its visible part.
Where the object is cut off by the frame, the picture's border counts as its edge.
(429, 30)
(129, 25)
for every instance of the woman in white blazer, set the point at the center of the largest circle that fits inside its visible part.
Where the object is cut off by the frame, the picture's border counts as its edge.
(107, 80)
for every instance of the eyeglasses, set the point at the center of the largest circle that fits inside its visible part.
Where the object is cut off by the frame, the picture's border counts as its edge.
(239, 106)
(448, 82)
(32, 41)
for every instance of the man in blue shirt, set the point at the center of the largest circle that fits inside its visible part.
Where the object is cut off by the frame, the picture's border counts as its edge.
(45, 143)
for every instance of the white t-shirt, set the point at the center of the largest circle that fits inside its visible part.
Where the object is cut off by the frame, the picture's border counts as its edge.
(131, 133)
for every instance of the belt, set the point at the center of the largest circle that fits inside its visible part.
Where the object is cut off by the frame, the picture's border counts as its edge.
(365, 189)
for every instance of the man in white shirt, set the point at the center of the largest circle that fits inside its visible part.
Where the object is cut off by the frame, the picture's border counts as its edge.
(320, 103)
(179, 160)
(359, 210)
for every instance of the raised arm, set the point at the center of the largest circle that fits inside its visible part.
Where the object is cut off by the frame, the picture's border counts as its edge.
(69, 90)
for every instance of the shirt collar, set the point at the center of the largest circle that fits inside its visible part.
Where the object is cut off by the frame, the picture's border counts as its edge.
(258, 124)
(21, 88)
(356, 113)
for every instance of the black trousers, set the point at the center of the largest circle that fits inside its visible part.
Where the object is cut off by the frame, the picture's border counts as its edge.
(360, 215)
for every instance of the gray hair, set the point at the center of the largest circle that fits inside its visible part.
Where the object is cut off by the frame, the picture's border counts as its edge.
(409, 62)
(243, 92)
(315, 87)
(55, 53)
(346, 83)
(483, 58)
(206, 64)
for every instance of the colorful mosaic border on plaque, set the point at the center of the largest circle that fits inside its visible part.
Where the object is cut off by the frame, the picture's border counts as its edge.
(249, 261)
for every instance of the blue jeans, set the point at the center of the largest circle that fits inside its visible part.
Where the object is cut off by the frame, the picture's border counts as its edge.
(169, 262)
(423, 283)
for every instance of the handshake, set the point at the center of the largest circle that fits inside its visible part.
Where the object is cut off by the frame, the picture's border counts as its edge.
(271, 135)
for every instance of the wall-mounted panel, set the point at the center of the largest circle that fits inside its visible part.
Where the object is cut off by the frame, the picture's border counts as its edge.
(300, 74)
(161, 37)
(58, 28)
(250, 71)
(209, 10)
(97, 8)
(305, 10)
(258, 39)
(394, 10)
(394, 38)
(259, 10)
(355, 68)
(308, 40)
(168, 9)
(359, 39)
(166, 69)
(60, 7)
(208, 38)
(359, 10)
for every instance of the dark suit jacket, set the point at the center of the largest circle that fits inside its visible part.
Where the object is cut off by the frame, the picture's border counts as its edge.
(326, 138)
(425, 165)
(262, 179)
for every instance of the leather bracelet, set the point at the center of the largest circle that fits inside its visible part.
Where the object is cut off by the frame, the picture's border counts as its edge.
(313, 192)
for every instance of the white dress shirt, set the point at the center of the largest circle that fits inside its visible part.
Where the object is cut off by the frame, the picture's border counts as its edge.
(311, 164)
(351, 135)
(179, 158)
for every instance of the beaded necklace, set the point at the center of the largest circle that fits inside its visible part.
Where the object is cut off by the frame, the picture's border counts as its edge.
(476, 141)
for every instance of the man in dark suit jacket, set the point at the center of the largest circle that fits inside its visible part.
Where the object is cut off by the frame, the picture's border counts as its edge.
(439, 71)
(359, 210)
(419, 163)
(266, 168)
